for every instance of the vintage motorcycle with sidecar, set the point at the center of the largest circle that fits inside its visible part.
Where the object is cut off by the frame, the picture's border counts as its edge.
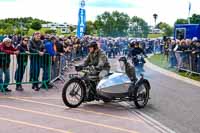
(85, 86)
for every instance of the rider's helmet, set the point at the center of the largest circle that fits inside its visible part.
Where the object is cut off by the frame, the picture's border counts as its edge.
(132, 43)
(93, 44)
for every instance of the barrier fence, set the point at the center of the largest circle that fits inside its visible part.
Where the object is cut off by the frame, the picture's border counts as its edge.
(56, 70)
(186, 61)
(24, 69)
(31, 68)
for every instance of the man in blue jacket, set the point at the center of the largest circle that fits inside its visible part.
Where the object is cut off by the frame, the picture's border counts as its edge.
(50, 53)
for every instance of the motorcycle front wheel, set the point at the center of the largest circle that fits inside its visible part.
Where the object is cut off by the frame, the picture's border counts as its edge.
(73, 93)
(141, 94)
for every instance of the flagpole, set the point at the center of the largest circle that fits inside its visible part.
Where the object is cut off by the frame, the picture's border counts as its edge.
(189, 12)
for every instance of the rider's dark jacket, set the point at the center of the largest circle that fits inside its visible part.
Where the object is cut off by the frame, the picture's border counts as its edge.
(136, 51)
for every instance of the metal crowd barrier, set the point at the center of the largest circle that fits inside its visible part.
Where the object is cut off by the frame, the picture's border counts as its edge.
(188, 61)
(24, 69)
(56, 69)
(61, 64)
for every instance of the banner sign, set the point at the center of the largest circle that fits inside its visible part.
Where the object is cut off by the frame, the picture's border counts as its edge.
(81, 20)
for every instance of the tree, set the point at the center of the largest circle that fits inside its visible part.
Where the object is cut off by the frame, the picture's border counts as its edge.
(71, 28)
(155, 16)
(9, 30)
(113, 24)
(166, 28)
(36, 25)
(195, 19)
(90, 28)
(138, 27)
(181, 21)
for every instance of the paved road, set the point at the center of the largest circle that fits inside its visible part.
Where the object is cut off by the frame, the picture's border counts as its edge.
(44, 112)
(174, 103)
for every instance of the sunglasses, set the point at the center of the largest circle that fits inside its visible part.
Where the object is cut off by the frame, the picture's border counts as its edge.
(26, 40)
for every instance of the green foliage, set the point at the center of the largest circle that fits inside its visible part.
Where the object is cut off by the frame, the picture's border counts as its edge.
(36, 25)
(181, 21)
(90, 28)
(166, 28)
(161, 61)
(195, 19)
(49, 31)
(71, 28)
(138, 27)
(30, 32)
(112, 24)
(154, 35)
(17, 25)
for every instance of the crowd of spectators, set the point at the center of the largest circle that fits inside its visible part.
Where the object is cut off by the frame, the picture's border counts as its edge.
(43, 52)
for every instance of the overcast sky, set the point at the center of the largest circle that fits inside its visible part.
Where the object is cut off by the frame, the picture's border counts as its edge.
(67, 10)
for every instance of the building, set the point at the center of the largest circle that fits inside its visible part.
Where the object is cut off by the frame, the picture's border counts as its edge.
(54, 26)
(153, 30)
(186, 31)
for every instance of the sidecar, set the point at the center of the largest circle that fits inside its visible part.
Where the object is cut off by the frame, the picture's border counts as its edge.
(115, 85)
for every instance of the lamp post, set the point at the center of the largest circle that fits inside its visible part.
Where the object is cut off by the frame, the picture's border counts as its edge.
(155, 16)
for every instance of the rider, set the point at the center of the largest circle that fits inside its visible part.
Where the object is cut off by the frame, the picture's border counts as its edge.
(98, 59)
(136, 50)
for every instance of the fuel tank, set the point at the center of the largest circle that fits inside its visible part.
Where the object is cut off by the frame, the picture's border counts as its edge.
(115, 85)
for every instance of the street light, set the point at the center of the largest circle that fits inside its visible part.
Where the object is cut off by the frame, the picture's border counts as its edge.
(155, 16)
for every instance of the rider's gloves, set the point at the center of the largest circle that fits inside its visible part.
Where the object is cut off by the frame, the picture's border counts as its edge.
(97, 68)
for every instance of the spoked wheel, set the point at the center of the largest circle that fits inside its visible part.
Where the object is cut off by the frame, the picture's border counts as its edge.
(141, 94)
(73, 93)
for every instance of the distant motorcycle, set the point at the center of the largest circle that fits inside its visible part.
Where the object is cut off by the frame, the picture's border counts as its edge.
(85, 86)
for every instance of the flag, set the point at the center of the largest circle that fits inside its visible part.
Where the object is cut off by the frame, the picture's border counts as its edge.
(190, 6)
(81, 23)
(81, 20)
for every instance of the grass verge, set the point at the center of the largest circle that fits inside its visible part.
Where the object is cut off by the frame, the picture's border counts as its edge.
(161, 61)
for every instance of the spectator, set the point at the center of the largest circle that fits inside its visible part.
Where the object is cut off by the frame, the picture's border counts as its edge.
(36, 47)
(50, 48)
(7, 49)
(179, 53)
(22, 60)
(197, 53)
(172, 57)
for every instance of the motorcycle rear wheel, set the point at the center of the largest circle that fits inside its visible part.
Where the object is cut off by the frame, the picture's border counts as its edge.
(73, 97)
(141, 94)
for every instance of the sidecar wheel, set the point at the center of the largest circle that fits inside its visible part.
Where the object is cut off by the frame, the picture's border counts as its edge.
(141, 94)
(73, 93)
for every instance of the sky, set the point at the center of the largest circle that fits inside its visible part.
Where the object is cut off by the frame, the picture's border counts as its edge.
(67, 10)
